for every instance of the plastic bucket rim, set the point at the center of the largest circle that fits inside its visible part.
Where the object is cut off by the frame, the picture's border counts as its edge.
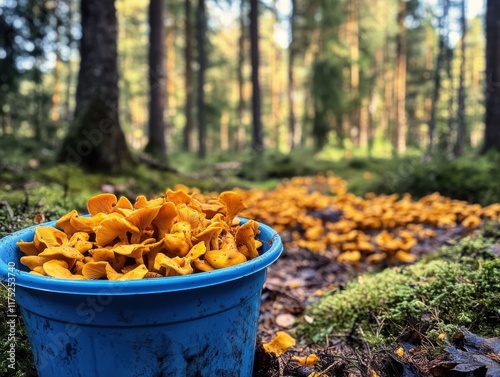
(142, 286)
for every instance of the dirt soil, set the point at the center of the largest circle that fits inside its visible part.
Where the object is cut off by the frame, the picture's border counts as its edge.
(298, 278)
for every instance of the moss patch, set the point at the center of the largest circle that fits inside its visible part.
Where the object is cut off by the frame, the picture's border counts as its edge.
(456, 287)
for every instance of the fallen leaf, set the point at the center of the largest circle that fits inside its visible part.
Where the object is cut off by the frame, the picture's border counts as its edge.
(279, 344)
(285, 320)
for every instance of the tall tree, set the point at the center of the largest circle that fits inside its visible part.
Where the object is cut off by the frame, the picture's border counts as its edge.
(156, 146)
(440, 60)
(95, 139)
(240, 138)
(291, 76)
(201, 30)
(461, 123)
(188, 74)
(492, 121)
(353, 37)
(257, 130)
(400, 82)
(69, 78)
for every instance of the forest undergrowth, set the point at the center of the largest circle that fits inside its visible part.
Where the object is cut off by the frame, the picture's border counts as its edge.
(402, 274)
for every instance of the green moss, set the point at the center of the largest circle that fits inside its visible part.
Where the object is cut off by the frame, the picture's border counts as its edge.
(456, 287)
(24, 365)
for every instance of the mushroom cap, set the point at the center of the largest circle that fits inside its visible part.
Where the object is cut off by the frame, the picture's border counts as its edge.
(197, 251)
(59, 269)
(233, 203)
(102, 203)
(279, 344)
(178, 197)
(46, 236)
(64, 223)
(137, 273)
(245, 235)
(111, 228)
(143, 217)
(61, 251)
(95, 270)
(131, 251)
(202, 265)
(87, 224)
(181, 266)
(102, 254)
(28, 248)
(32, 261)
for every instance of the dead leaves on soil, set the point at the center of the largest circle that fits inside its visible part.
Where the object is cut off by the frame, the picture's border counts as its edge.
(466, 355)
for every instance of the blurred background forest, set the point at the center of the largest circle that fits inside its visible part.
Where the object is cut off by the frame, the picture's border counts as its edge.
(232, 81)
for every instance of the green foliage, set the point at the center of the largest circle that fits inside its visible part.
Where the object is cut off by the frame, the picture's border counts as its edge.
(470, 178)
(456, 287)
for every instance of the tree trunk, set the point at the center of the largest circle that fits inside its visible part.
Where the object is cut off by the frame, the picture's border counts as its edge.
(201, 23)
(257, 131)
(492, 120)
(291, 77)
(241, 134)
(353, 33)
(188, 83)
(95, 139)
(55, 111)
(224, 131)
(170, 36)
(156, 146)
(274, 93)
(69, 78)
(461, 123)
(443, 20)
(388, 90)
(400, 83)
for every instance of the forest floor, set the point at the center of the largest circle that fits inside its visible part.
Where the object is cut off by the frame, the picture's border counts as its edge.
(299, 278)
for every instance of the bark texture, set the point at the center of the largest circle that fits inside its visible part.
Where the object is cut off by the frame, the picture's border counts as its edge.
(156, 146)
(95, 139)
(257, 130)
(492, 129)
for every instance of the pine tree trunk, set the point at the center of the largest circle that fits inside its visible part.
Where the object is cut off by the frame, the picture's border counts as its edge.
(241, 135)
(443, 20)
(201, 22)
(156, 146)
(257, 131)
(69, 78)
(388, 85)
(55, 112)
(354, 89)
(224, 131)
(95, 139)
(291, 78)
(188, 82)
(275, 90)
(400, 83)
(170, 37)
(492, 121)
(461, 123)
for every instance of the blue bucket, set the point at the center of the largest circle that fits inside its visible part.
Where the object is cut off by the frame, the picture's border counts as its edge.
(196, 325)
